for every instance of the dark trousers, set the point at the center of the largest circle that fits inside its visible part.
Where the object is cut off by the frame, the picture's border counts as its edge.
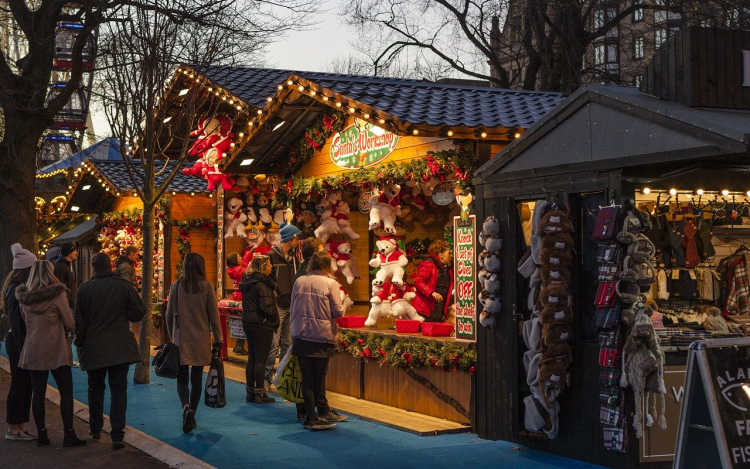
(118, 391)
(64, 380)
(314, 370)
(258, 347)
(193, 395)
(18, 404)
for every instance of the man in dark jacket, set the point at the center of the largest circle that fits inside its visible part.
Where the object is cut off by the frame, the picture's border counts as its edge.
(104, 306)
(125, 268)
(284, 267)
(64, 270)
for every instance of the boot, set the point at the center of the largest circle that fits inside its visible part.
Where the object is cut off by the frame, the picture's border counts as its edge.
(42, 439)
(250, 394)
(239, 347)
(261, 397)
(71, 439)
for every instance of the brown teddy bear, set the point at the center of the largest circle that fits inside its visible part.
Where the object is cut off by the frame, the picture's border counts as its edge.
(555, 221)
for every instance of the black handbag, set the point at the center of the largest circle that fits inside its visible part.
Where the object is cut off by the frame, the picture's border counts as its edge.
(167, 360)
(215, 394)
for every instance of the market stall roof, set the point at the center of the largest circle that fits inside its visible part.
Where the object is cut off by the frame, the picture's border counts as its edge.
(104, 150)
(79, 234)
(601, 127)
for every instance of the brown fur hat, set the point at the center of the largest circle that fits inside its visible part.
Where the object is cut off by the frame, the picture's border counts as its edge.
(555, 221)
(557, 331)
(555, 294)
(560, 351)
(556, 257)
(552, 274)
(559, 241)
(556, 313)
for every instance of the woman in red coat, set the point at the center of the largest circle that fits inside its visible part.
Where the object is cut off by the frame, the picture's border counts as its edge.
(434, 283)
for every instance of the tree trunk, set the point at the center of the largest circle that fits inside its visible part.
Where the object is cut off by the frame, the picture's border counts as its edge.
(141, 373)
(17, 211)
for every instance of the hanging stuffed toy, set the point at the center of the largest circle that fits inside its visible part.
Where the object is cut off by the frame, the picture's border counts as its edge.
(214, 142)
(385, 207)
(391, 260)
(235, 219)
(328, 225)
(340, 211)
(343, 260)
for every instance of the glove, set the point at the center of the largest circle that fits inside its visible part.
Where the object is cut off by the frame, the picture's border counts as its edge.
(218, 345)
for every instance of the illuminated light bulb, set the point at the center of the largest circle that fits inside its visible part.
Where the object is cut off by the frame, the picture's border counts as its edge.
(725, 192)
(301, 88)
(325, 98)
(280, 87)
(174, 193)
(192, 193)
(249, 124)
(242, 134)
(517, 135)
(699, 192)
(450, 133)
(260, 111)
(312, 92)
(338, 104)
(216, 94)
(484, 134)
(269, 99)
(381, 121)
(646, 190)
(210, 89)
(351, 109)
(367, 116)
(672, 191)
(239, 108)
(231, 101)
(415, 132)
(223, 98)
(290, 83)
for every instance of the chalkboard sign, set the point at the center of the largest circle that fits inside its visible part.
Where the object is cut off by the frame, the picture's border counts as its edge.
(714, 426)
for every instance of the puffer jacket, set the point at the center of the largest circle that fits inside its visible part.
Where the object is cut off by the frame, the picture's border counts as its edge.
(259, 306)
(48, 319)
(316, 303)
(425, 283)
(126, 270)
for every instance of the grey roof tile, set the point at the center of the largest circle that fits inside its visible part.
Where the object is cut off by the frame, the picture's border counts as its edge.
(117, 174)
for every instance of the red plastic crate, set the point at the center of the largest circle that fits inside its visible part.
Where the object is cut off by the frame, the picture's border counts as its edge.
(437, 329)
(351, 321)
(407, 326)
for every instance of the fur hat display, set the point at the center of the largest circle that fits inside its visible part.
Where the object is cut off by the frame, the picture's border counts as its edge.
(555, 221)
(488, 277)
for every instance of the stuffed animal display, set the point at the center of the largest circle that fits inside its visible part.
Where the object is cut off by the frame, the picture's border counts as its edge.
(488, 276)
(385, 206)
(235, 219)
(343, 260)
(214, 141)
(390, 260)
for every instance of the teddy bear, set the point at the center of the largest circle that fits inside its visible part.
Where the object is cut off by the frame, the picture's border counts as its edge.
(328, 225)
(235, 219)
(410, 277)
(264, 214)
(340, 212)
(391, 260)
(346, 300)
(306, 216)
(492, 261)
(255, 245)
(380, 304)
(122, 238)
(280, 214)
(385, 206)
(401, 306)
(343, 260)
(486, 319)
(490, 230)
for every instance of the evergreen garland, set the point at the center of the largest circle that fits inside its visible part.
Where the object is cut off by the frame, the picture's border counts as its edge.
(184, 227)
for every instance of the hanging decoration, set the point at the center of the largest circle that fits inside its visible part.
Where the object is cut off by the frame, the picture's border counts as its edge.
(215, 140)
(315, 137)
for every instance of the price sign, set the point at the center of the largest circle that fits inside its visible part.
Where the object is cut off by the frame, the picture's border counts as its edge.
(464, 268)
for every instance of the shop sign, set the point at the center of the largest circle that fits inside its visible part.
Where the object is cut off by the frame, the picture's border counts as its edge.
(361, 145)
(464, 271)
(658, 445)
(235, 328)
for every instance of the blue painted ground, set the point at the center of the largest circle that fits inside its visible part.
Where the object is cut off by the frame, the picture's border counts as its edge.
(268, 436)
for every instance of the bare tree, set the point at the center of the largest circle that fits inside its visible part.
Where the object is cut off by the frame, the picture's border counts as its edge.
(154, 111)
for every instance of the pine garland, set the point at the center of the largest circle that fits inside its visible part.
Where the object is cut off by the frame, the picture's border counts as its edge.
(315, 137)
(184, 227)
(446, 356)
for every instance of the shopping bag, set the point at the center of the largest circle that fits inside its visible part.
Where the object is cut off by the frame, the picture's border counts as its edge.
(282, 364)
(215, 394)
(289, 383)
(167, 361)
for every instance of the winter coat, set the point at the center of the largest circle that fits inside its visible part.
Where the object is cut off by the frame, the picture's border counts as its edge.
(283, 274)
(302, 269)
(425, 283)
(316, 302)
(259, 301)
(105, 306)
(13, 310)
(64, 273)
(126, 270)
(48, 318)
(189, 331)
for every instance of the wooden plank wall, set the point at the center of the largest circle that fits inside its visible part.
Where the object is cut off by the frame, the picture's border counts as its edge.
(203, 242)
(127, 203)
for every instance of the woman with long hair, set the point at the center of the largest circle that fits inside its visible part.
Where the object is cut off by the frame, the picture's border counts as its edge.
(191, 308)
(316, 303)
(18, 403)
(260, 320)
(46, 310)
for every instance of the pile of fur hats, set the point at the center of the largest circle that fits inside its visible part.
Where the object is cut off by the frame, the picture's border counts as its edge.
(488, 277)
(548, 332)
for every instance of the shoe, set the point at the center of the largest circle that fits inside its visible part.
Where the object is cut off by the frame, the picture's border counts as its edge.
(261, 397)
(95, 435)
(20, 436)
(249, 395)
(239, 351)
(301, 417)
(318, 425)
(71, 439)
(118, 444)
(31, 435)
(42, 439)
(188, 420)
(333, 416)
(76, 364)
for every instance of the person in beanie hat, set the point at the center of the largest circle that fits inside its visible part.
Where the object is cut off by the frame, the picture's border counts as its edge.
(52, 254)
(64, 270)
(105, 306)
(284, 263)
(18, 403)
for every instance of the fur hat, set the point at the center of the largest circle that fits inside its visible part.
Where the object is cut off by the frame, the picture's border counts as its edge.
(486, 319)
(715, 322)
(555, 221)
(22, 258)
(628, 292)
(552, 274)
(556, 313)
(560, 241)
(557, 331)
(557, 294)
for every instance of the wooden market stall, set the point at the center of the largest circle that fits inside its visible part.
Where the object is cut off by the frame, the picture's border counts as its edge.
(677, 152)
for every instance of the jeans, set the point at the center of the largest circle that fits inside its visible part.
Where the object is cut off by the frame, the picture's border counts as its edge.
(314, 370)
(259, 346)
(282, 340)
(192, 396)
(64, 380)
(18, 404)
(118, 391)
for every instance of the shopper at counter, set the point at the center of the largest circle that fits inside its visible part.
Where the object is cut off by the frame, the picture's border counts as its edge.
(434, 283)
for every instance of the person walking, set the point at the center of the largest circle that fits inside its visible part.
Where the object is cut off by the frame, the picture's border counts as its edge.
(18, 402)
(125, 268)
(260, 321)
(191, 309)
(64, 270)
(284, 263)
(315, 304)
(45, 309)
(434, 282)
(105, 305)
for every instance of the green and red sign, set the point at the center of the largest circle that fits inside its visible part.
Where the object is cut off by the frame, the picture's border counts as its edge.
(465, 271)
(361, 144)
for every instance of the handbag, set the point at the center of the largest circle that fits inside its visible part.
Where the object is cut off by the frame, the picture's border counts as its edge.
(289, 385)
(215, 395)
(167, 361)
(607, 223)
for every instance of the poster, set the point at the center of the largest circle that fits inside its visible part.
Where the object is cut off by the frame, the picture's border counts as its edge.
(464, 269)
(235, 328)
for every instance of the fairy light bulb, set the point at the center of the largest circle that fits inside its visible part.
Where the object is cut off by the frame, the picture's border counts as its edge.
(725, 192)
(699, 192)
(646, 190)
(672, 191)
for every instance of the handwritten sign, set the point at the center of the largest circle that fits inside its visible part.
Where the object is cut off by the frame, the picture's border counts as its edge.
(464, 268)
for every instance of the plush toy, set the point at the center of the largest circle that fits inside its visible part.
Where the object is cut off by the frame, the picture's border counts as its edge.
(492, 283)
(492, 303)
(486, 319)
(214, 141)
(385, 207)
(380, 305)
(346, 300)
(306, 216)
(261, 202)
(411, 272)
(492, 261)
(256, 246)
(235, 219)
(280, 214)
(340, 211)
(341, 254)
(391, 260)
(328, 225)
(400, 303)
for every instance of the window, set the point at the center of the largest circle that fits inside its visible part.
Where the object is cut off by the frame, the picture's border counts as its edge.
(638, 47)
(638, 13)
(638, 80)
(733, 17)
(598, 19)
(599, 55)
(661, 37)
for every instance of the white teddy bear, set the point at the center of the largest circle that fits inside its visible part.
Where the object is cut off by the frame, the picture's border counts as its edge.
(235, 219)
(401, 306)
(346, 300)
(328, 225)
(340, 211)
(385, 207)
(380, 304)
(391, 260)
(343, 260)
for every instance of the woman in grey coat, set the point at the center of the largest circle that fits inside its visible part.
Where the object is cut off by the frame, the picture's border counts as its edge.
(191, 308)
